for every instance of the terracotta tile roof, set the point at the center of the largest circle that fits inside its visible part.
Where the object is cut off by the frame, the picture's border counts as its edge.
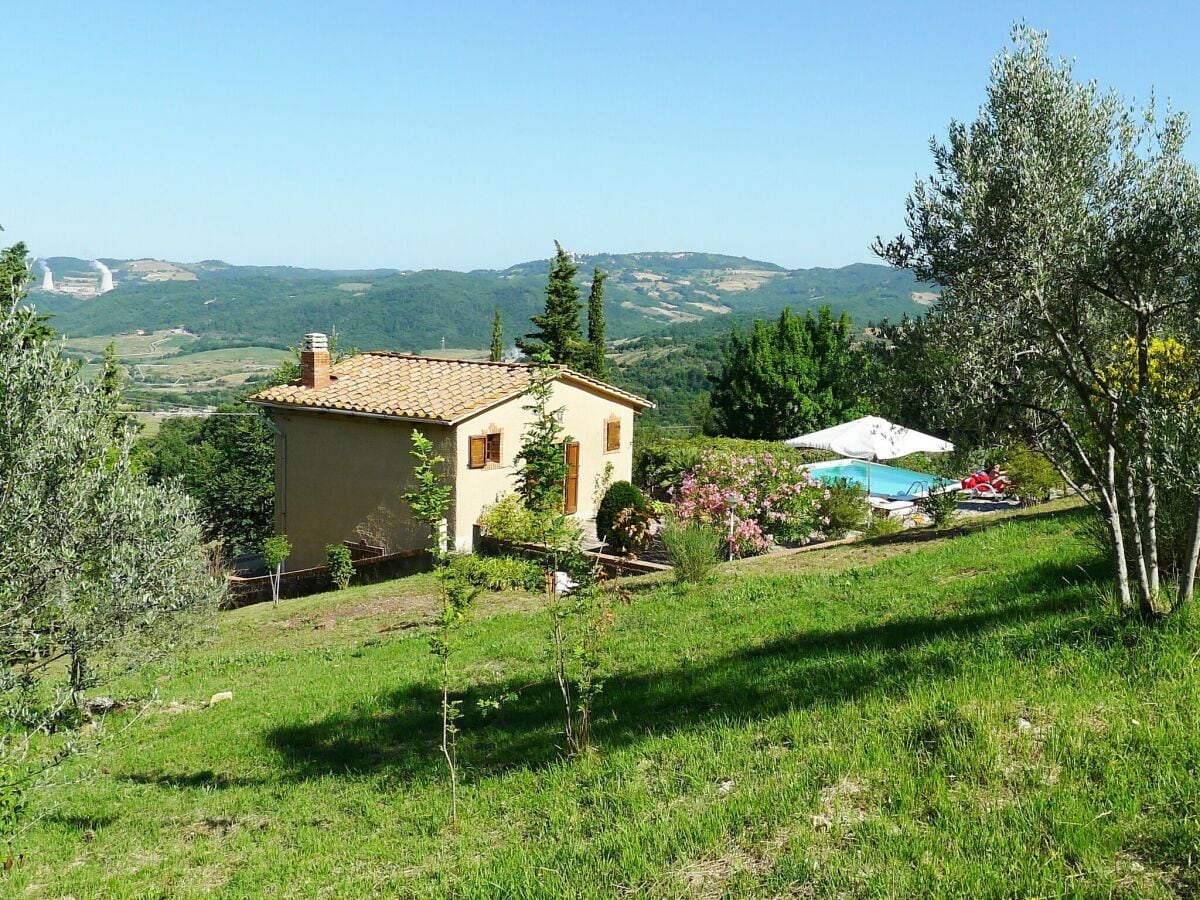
(420, 387)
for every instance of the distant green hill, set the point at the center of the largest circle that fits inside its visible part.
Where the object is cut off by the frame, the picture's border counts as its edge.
(384, 308)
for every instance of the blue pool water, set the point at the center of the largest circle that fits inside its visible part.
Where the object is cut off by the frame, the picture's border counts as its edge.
(886, 481)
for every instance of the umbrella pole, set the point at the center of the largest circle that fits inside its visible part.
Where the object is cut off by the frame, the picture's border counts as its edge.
(870, 508)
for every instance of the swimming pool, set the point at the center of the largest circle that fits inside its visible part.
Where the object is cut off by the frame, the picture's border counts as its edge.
(886, 481)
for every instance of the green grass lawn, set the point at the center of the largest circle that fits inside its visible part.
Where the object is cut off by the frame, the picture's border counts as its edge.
(952, 716)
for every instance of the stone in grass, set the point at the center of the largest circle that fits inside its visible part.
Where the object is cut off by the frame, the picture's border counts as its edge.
(220, 698)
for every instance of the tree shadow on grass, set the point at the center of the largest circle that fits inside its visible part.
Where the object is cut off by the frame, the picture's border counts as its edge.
(801, 670)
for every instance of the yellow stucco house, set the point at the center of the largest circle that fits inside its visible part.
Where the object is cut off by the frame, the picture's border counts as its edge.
(344, 432)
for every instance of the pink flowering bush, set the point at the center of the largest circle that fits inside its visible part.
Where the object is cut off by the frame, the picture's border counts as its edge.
(753, 501)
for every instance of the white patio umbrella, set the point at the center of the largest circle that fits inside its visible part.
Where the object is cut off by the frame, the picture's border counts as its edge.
(871, 438)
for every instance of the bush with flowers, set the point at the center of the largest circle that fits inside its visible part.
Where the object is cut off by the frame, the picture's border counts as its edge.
(754, 501)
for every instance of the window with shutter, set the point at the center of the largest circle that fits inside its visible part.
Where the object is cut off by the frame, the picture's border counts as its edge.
(612, 435)
(492, 452)
(478, 457)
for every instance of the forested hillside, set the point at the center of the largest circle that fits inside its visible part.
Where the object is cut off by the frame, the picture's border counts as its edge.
(273, 306)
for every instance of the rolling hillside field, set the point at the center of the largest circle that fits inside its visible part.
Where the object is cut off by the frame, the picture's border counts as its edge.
(161, 369)
(953, 714)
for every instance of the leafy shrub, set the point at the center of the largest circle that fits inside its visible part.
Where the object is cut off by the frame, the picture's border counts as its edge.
(844, 507)
(621, 495)
(1032, 474)
(882, 526)
(631, 531)
(508, 519)
(941, 506)
(498, 573)
(341, 569)
(693, 548)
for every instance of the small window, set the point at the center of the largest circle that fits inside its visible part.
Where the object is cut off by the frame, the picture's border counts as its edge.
(612, 435)
(485, 450)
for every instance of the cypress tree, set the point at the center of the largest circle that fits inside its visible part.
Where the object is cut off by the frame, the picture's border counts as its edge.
(497, 337)
(558, 330)
(596, 364)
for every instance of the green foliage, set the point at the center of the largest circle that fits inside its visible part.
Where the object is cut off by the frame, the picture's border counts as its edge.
(1033, 476)
(497, 352)
(14, 276)
(619, 496)
(787, 378)
(882, 526)
(498, 573)
(542, 463)
(693, 547)
(593, 360)
(226, 462)
(508, 519)
(341, 567)
(275, 550)
(101, 574)
(941, 506)
(558, 333)
(845, 507)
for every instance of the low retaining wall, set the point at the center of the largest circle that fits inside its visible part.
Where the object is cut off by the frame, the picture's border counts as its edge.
(303, 582)
(612, 565)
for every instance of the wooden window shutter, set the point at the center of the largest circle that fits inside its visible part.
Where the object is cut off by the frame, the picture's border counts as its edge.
(478, 451)
(612, 435)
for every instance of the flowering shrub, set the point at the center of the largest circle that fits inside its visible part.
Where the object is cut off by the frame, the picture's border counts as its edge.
(753, 500)
(631, 530)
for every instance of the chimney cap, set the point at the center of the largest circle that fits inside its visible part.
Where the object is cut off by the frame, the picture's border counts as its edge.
(315, 341)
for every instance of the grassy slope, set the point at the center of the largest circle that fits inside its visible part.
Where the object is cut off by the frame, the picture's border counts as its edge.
(944, 717)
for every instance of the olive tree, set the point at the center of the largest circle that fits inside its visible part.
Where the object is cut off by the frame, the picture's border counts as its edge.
(100, 573)
(1063, 226)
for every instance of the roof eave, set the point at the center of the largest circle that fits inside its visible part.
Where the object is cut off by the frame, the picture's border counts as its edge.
(605, 388)
(391, 417)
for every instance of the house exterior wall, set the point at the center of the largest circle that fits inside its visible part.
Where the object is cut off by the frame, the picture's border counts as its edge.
(584, 415)
(340, 477)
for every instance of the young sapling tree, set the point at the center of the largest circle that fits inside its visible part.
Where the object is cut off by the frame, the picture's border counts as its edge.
(429, 503)
(275, 551)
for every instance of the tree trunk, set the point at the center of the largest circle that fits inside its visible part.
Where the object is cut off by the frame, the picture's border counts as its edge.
(1108, 493)
(1137, 541)
(1187, 576)
(1149, 511)
(448, 742)
(1150, 498)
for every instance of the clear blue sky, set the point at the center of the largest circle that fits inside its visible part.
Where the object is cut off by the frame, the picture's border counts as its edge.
(462, 135)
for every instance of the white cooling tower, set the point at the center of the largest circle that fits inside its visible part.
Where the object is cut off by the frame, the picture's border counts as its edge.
(106, 279)
(47, 277)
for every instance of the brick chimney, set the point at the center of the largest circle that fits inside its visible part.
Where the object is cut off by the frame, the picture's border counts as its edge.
(314, 361)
